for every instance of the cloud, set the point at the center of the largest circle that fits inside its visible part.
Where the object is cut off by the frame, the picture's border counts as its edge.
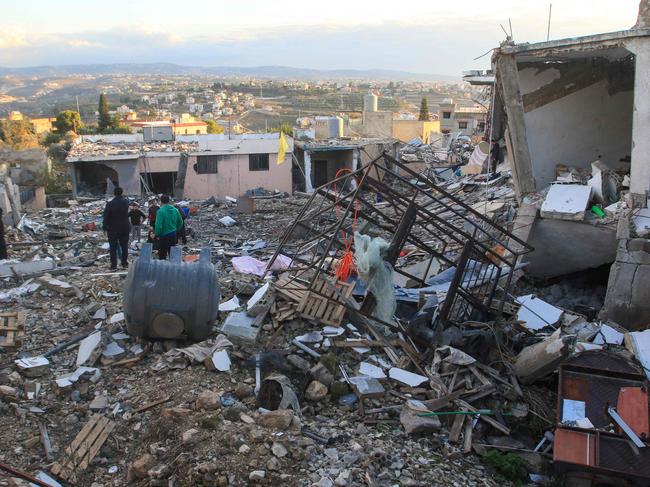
(175, 39)
(83, 43)
(443, 45)
(12, 39)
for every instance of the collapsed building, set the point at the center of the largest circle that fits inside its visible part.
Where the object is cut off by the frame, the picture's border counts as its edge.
(573, 116)
(379, 330)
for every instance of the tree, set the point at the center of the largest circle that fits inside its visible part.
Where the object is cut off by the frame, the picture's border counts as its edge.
(285, 128)
(104, 119)
(214, 127)
(68, 120)
(424, 109)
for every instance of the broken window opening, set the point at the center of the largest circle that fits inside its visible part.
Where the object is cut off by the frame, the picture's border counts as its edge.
(207, 164)
(258, 162)
(161, 182)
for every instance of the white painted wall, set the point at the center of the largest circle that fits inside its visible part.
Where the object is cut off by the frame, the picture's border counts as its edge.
(640, 172)
(577, 129)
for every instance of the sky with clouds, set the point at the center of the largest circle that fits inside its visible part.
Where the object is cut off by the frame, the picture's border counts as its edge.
(424, 36)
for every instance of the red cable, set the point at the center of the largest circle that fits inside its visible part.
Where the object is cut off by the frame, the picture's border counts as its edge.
(345, 266)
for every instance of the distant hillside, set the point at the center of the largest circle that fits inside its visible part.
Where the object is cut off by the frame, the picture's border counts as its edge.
(285, 72)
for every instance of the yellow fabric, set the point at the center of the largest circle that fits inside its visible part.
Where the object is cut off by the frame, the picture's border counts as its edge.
(282, 148)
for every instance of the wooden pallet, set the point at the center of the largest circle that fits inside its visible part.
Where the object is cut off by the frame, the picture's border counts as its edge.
(12, 329)
(84, 447)
(290, 289)
(322, 303)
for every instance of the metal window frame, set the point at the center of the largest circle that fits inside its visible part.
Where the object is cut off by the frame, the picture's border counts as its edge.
(418, 213)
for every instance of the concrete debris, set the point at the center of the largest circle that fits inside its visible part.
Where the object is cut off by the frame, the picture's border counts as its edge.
(277, 420)
(566, 202)
(89, 349)
(415, 424)
(142, 465)
(316, 391)
(9, 268)
(543, 358)
(536, 313)
(300, 381)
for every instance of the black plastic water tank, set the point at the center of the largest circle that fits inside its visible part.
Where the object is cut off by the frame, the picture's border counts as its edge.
(171, 298)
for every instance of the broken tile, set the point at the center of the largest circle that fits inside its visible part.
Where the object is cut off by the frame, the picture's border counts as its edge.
(406, 377)
(537, 313)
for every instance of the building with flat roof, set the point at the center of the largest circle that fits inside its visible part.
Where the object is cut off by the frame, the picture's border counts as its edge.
(466, 120)
(192, 166)
(319, 161)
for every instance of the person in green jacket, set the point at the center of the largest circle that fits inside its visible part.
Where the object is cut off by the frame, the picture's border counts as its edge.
(168, 222)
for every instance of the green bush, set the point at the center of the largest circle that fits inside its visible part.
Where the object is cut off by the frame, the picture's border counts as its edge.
(508, 465)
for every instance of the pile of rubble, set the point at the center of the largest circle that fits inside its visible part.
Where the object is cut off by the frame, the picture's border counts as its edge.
(378, 333)
(457, 151)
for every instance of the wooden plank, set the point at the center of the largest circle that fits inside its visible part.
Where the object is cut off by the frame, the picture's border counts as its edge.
(79, 454)
(484, 380)
(441, 402)
(467, 436)
(456, 428)
(489, 420)
(152, 404)
(62, 469)
(85, 431)
(97, 444)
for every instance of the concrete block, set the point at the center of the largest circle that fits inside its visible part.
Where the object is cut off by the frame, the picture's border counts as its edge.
(241, 327)
(566, 202)
(57, 285)
(628, 295)
(9, 267)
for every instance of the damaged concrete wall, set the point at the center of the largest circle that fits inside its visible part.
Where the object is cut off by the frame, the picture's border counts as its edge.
(628, 294)
(331, 162)
(378, 124)
(159, 163)
(90, 176)
(588, 124)
(234, 177)
(564, 247)
(128, 176)
(640, 173)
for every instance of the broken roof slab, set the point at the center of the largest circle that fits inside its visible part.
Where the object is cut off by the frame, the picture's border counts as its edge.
(610, 45)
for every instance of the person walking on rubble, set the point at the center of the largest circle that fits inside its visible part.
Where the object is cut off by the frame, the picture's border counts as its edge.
(182, 234)
(168, 223)
(116, 225)
(137, 216)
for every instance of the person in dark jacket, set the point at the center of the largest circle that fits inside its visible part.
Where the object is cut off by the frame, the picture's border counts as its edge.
(153, 210)
(116, 225)
(137, 216)
(182, 235)
(3, 244)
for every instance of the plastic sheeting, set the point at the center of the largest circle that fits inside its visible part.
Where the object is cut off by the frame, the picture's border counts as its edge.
(376, 273)
(250, 265)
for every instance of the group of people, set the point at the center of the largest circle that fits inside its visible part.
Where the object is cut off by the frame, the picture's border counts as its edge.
(123, 219)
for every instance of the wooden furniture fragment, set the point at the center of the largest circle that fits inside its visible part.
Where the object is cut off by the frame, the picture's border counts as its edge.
(84, 447)
(12, 329)
(323, 302)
